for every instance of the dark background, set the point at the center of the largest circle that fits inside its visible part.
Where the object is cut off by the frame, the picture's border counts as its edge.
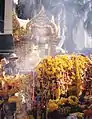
(2, 4)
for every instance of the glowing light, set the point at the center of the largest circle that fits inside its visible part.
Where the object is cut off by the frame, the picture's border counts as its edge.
(15, 1)
(46, 46)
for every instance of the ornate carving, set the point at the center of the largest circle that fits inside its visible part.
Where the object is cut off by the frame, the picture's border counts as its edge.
(44, 31)
(41, 26)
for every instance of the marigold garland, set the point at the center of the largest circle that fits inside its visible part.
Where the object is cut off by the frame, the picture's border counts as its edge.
(68, 70)
(62, 101)
(73, 100)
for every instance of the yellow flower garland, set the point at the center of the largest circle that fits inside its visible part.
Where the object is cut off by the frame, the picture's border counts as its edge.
(73, 100)
(62, 101)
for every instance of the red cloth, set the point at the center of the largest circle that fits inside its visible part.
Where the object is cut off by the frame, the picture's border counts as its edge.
(88, 112)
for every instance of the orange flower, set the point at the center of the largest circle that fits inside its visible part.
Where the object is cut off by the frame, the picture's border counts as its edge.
(52, 106)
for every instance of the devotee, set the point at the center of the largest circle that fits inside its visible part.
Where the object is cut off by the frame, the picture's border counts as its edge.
(11, 67)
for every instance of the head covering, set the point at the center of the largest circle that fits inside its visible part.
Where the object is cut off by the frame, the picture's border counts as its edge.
(13, 56)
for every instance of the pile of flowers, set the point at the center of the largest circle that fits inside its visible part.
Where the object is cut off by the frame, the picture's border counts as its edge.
(64, 76)
(62, 73)
(71, 101)
(62, 101)
(52, 106)
(10, 85)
